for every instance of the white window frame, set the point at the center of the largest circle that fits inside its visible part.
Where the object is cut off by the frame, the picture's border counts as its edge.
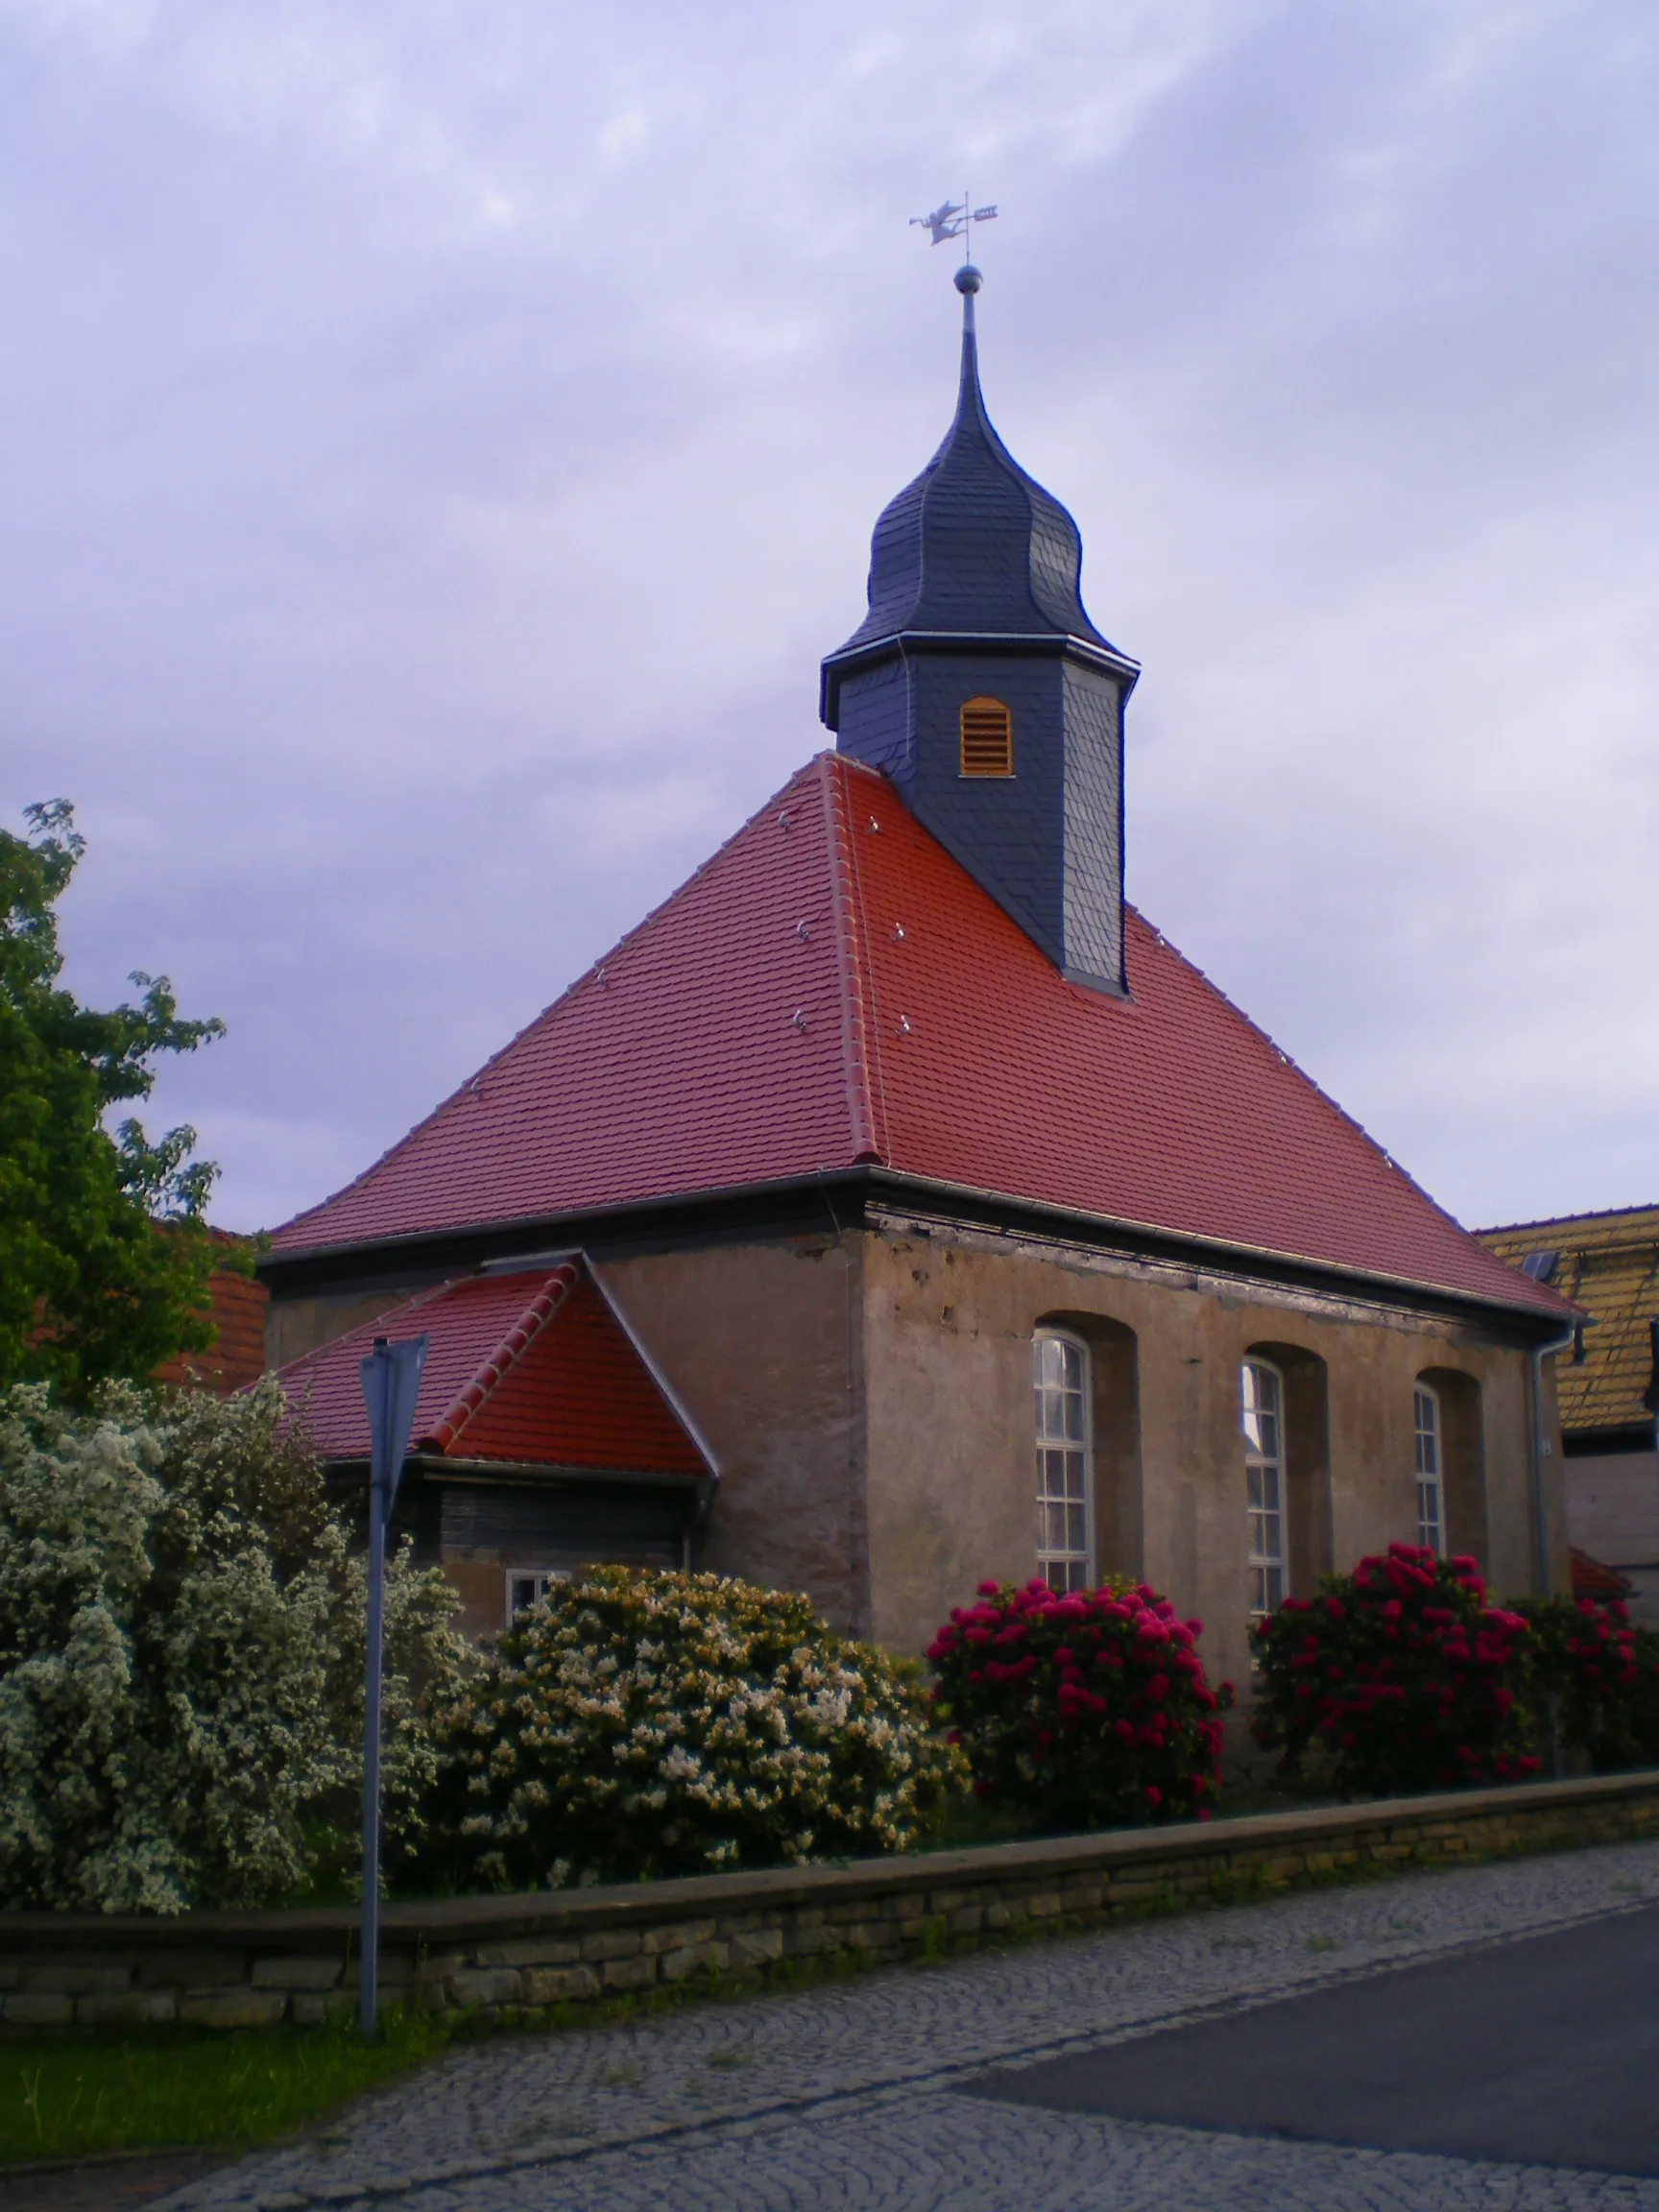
(1068, 1564)
(1429, 1452)
(542, 1577)
(1266, 1490)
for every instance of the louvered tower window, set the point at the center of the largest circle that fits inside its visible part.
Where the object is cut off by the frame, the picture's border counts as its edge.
(987, 738)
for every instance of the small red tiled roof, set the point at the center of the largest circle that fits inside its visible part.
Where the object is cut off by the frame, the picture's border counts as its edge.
(833, 986)
(236, 1308)
(1592, 1580)
(533, 1369)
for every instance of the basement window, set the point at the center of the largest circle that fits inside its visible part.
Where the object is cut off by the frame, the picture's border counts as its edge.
(527, 1586)
(1262, 1394)
(1065, 1462)
(987, 738)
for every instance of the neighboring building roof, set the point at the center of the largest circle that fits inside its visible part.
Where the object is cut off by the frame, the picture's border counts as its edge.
(830, 988)
(537, 1368)
(236, 1306)
(1609, 1265)
(973, 545)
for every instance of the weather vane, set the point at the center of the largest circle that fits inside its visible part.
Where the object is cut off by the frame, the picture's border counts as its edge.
(955, 218)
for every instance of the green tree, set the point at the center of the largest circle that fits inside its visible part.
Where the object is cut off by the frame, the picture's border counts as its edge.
(104, 1248)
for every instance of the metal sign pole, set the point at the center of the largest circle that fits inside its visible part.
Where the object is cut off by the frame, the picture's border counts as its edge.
(391, 1377)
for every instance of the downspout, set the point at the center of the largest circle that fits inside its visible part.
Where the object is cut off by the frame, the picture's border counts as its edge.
(1540, 1452)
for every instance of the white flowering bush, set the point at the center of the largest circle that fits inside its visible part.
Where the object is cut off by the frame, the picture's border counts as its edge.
(182, 1654)
(642, 1724)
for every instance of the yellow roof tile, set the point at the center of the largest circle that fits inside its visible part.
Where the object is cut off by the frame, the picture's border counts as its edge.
(1609, 1265)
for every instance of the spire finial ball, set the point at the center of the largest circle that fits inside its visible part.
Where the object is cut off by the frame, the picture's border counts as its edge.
(967, 277)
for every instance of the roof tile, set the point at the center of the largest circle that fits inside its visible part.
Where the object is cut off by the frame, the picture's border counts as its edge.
(1609, 1265)
(833, 987)
(533, 1369)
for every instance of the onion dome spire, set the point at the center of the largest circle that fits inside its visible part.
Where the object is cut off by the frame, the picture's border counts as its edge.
(978, 684)
(971, 547)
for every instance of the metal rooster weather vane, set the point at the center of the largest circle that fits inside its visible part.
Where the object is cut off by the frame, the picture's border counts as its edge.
(955, 218)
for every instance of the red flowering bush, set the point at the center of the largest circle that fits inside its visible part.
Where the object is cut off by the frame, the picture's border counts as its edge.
(1397, 1677)
(1597, 1678)
(1083, 1709)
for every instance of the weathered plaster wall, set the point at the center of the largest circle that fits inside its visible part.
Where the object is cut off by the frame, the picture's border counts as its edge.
(868, 1397)
(948, 1320)
(762, 1342)
(296, 1326)
(1613, 1511)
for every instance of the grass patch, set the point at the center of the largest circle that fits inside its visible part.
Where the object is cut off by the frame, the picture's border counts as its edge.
(68, 2093)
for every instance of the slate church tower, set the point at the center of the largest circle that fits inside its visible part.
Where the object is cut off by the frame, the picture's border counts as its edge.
(977, 683)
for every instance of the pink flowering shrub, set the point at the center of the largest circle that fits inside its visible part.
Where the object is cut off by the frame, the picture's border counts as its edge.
(1397, 1677)
(1083, 1709)
(1596, 1677)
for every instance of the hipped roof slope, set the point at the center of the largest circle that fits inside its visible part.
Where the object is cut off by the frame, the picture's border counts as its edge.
(830, 988)
(527, 1369)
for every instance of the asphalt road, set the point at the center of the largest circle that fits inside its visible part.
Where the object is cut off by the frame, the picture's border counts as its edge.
(1538, 2051)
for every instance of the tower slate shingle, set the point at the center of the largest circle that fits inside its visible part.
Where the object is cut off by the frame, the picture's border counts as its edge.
(975, 591)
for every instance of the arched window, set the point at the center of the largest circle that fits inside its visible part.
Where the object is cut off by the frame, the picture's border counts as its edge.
(987, 738)
(1065, 1462)
(1262, 1394)
(1431, 1470)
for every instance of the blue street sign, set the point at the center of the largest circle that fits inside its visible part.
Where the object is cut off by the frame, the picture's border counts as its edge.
(390, 1385)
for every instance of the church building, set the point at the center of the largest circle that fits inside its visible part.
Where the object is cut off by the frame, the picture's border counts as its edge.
(896, 1207)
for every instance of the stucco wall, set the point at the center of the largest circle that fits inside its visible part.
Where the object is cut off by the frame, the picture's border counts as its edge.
(868, 1398)
(947, 1330)
(762, 1341)
(1613, 1512)
(296, 1326)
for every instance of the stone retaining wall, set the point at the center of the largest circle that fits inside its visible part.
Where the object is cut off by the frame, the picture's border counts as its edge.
(253, 1969)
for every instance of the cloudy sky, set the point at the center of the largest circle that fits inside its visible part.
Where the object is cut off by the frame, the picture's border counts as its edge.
(441, 440)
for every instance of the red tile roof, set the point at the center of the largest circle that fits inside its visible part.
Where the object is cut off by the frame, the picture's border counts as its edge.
(1592, 1580)
(236, 1308)
(533, 1369)
(833, 986)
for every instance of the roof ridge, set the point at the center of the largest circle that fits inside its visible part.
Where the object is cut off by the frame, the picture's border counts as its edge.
(860, 912)
(1604, 1213)
(488, 1377)
(1333, 1105)
(850, 970)
(475, 1081)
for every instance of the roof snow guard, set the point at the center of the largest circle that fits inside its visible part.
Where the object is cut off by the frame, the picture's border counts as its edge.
(538, 1369)
(832, 989)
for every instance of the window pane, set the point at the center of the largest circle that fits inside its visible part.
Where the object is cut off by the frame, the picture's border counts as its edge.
(1429, 1520)
(1060, 1374)
(1260, 1402)
(1260, 1392)
(1428, 1407)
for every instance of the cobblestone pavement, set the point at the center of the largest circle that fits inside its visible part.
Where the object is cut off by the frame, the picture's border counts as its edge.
(847, 2095)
